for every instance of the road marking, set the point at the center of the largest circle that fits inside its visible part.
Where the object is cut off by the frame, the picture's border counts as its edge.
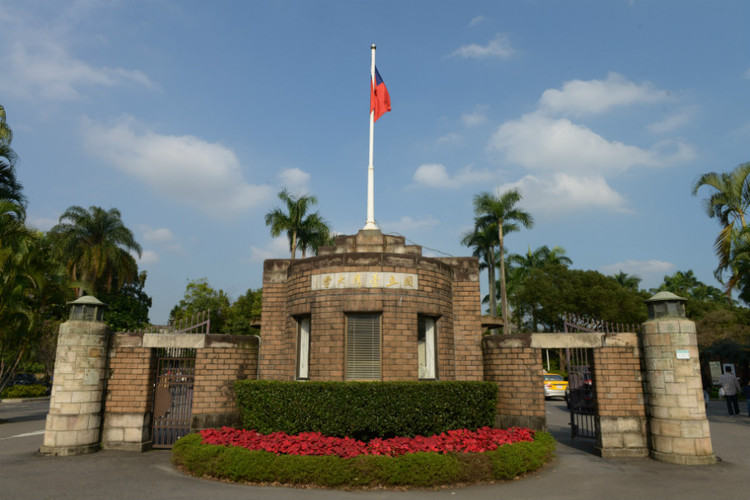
(35, 433)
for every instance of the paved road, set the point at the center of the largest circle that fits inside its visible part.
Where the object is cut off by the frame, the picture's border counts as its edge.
(575, 474)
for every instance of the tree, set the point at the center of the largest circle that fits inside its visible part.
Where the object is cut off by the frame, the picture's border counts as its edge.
(554, 290)
(199, 297)
(244, 311)
(313, 234)
(628, 281)
(483, 240)
(127, 309)
(501, 211)
(95, 245)
(728, 203)
(301, 229)
(519, 269)
(6, 134)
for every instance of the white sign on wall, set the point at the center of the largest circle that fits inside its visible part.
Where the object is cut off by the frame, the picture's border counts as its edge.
(356, 279)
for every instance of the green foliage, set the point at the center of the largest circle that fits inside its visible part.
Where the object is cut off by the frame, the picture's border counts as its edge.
(95, 245)
(24, 391)
(304, 231)
(365, 410)
(199, 297)
(127, 309)
(551, 291)
(420, 470)
(243, 312)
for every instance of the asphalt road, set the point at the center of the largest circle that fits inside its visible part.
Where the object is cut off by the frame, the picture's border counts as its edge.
(576, 473)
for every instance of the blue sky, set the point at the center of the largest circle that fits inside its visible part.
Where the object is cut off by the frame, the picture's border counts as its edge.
(190, 116)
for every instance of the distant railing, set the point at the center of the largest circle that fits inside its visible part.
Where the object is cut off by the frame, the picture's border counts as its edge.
(573, 323)
(198, 323)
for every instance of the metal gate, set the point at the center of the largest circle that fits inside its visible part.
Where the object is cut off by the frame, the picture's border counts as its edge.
(580, 397)
(173, 396)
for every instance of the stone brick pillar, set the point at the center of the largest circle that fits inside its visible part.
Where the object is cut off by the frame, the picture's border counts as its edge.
(678, 425)
(75, 412)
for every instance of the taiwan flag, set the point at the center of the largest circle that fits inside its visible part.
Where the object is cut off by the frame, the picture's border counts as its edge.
(380, 101)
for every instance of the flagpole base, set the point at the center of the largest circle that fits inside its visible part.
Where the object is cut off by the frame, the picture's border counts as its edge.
(370, 225)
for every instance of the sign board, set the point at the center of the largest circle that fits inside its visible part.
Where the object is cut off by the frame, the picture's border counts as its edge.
(357, 279)
(683, 354)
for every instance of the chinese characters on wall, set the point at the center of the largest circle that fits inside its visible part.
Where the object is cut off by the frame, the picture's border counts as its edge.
(357, 279)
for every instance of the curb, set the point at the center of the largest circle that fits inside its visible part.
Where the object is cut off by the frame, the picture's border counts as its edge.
(10, 401)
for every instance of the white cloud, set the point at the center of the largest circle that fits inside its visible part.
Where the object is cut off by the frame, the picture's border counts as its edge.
(436, 175)
(147, 257)
(568, 165)
(559, 194)
(671, 122)
(41, 223)
(651, 272)
(541, 143)
(450, 138)
(45, 69)
(278, 248)
(160, 235)
(498, 47)
(406, 224)
(184, 168)
(476, 20)
(590, 97)
(295, 180)
(475, 118)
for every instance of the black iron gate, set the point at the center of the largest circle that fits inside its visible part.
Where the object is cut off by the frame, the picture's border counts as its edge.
(580, 396)
(173, 396)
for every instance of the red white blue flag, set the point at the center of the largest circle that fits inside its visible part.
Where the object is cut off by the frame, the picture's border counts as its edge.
(380, 101)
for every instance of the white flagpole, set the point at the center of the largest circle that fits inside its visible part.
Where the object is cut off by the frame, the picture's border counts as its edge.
(370, 224)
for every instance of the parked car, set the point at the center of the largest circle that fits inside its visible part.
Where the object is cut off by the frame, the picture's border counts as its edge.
(554, 386)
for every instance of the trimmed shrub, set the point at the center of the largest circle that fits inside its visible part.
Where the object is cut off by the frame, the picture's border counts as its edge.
(423, 470)
(25, 391)
(365, 410)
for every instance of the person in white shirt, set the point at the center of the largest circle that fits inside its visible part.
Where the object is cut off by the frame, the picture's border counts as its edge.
(731, 387)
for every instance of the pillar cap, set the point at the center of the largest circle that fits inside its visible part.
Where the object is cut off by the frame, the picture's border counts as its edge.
(87, 300)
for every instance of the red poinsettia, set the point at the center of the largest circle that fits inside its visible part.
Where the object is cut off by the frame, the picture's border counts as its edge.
(314, 443)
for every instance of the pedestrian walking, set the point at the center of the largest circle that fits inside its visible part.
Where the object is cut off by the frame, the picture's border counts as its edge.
(732, 388)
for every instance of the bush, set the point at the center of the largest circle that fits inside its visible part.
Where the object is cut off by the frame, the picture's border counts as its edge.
(414, 469)
(25, 391)
(365, 410)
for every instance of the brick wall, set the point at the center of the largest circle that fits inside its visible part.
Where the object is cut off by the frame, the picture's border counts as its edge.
(130, 386)
(618, 381)
(448, 290)
(516, 367)
(224, 359)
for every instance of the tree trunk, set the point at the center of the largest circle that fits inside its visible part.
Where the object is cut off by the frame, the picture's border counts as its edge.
(503, 296)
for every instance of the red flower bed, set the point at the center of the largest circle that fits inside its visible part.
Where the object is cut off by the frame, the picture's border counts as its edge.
(314, 443)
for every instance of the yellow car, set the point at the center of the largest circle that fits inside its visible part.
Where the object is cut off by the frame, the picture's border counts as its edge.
(554, 386)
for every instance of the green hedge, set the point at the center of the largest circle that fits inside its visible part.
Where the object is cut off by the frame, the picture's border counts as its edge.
(420, 470)
(365, 410)
(24, 391)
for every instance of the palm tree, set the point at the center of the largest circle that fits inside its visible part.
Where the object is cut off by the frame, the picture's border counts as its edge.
(6, 134)
(627, 281)
(521, 267)
(302, 230)
(483, 239)
(95, 245)
(501, 210)
(10, 188)
(313, 233)
(728, 203)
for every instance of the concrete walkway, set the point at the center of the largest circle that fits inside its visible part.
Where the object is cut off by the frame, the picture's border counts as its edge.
(575, 474)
